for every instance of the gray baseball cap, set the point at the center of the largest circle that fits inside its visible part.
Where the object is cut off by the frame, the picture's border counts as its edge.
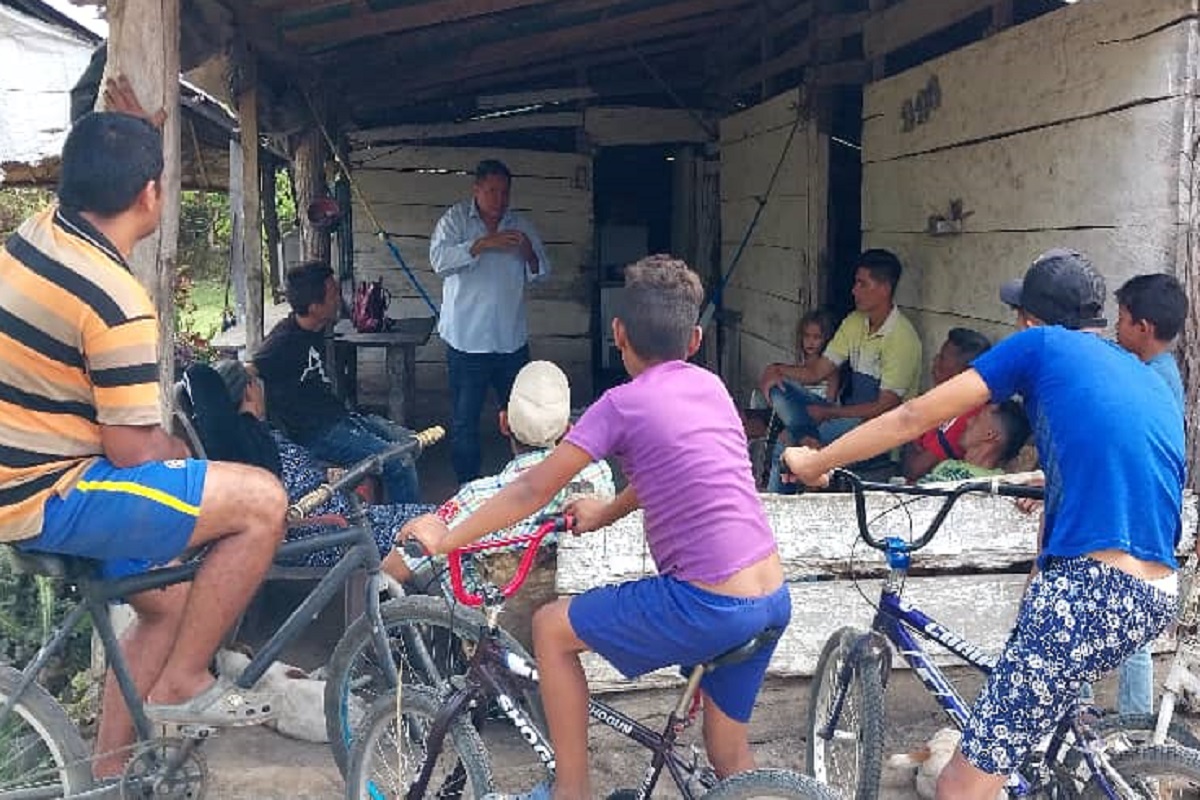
(1061, 287)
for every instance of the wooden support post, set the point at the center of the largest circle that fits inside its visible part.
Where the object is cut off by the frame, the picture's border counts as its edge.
(878, 63)
(1188, 272)
(308, 160)
(237, 231)
(143, 45)
(271, 230)
(252, 213)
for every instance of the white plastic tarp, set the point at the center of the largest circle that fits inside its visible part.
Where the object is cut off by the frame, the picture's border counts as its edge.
(39, 64)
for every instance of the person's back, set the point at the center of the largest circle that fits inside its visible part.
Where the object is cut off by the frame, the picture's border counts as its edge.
(1077, 386)
(676, 433)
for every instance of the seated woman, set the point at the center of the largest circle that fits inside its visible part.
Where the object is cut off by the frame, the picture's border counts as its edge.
(229, 412)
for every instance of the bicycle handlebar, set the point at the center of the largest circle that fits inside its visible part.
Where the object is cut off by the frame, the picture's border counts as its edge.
(1005, 485)
(546, 524)
(370, 465)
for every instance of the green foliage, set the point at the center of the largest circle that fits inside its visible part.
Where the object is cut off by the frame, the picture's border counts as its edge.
(19, 202)
(31, 606)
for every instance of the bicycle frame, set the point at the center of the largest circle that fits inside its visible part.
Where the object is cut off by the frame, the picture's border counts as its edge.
(496, 672)
(363, 553)
(903, 625)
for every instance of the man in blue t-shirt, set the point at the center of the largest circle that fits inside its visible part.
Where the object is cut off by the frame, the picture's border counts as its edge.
(1105, 578)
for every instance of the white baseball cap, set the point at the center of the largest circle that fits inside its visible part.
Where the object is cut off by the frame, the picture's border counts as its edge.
(539, 406)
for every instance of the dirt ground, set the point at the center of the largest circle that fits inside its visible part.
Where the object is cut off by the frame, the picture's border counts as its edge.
(249, 764)
(259, 764)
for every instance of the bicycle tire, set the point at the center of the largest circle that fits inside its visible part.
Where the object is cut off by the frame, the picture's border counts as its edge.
(862, 717)
(38, 719)
(1145, 768)
(371, 776)
(353, 664)
(1138, 730)
(762, 784)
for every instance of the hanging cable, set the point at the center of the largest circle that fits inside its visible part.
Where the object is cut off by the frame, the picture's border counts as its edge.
(380, 233)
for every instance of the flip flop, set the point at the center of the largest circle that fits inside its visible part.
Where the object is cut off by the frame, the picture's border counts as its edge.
(222, 705)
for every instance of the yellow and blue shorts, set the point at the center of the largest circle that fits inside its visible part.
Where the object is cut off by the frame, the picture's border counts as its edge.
(128, 519)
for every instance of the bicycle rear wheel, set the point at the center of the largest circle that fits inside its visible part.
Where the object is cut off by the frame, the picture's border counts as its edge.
(849, 760)
(1124, 731)
(431, 640)
(387, 757)
(769, 784)
(1157, 771)
(41, 752)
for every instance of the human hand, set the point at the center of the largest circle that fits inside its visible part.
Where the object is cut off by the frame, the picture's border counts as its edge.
(427, 530)
(1028, 505)
(819, 413)
(588, 513)
(119, 96)
(804, 466)
(772, 376)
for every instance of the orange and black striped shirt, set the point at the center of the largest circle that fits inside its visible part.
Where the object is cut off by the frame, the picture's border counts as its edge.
(78, 350)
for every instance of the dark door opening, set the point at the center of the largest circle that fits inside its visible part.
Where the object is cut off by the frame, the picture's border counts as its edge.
(633, 203)
(845, 196)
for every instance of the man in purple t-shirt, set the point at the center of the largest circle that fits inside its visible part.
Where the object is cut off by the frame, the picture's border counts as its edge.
(677, 435)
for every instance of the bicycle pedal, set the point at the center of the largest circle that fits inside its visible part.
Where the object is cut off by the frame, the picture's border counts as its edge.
(189, 731)
(197, 732)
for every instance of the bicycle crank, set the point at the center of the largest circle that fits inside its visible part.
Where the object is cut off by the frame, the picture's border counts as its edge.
(166, 769)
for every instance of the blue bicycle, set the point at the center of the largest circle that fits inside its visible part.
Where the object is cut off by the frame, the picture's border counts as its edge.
(1082, 758)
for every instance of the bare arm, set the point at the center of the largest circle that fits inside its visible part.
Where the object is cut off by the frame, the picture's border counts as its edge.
(133, 445)
(956, 396)
(813, 371)
(883, 404)
(526, 495)
(918, 461)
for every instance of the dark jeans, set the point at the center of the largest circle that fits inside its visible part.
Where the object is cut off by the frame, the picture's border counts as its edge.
(355, 437)
(470, 376)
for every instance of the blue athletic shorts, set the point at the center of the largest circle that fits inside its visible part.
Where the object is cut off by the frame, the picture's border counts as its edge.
(659, 622)
(1079, 619)
(127, 519)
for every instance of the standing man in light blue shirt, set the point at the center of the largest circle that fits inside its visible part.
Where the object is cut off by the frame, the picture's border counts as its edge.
(485, 254)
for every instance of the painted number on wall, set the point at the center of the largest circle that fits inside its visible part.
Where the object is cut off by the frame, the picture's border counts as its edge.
(917, 110)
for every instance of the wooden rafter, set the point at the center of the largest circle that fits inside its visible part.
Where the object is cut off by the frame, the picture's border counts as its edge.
(911, 20)
(378, 95)
(364, 24)
(673, 19)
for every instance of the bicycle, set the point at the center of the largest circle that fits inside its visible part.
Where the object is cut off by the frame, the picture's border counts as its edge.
(846, 712)
(423, 717)
(43, 755)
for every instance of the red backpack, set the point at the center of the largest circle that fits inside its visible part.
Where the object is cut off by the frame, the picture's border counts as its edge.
(370, 307)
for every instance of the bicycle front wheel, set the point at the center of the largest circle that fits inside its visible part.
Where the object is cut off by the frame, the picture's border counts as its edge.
(41, 752)
(430, 640)
(1158, 772)
(850, 758)
(389, 752)
(769, 784)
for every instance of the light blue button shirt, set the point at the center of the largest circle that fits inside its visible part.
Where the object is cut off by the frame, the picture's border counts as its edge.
(483, 297)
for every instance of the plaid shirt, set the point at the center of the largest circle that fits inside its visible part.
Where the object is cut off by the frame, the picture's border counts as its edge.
(596, 478)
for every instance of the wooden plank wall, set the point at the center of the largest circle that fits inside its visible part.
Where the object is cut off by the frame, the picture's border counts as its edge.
(970, 577)
(1065, 131)
(410, 187)
(776, 280)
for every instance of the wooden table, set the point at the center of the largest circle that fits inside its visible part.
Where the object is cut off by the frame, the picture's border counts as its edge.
(401, 344)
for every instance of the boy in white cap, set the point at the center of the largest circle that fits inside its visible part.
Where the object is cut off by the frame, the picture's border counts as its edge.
(537, 417)
(1111, 444)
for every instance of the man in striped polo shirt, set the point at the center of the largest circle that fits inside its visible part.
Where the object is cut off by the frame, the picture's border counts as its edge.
(86, 469)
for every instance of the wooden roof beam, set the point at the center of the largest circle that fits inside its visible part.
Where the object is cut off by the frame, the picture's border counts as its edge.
(374, 98)
(667, 20)
(911, 20)
(379, 23)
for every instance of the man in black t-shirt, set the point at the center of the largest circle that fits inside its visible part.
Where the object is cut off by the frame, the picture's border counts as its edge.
(300, 397)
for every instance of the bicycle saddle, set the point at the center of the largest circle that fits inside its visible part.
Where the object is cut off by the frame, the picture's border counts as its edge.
(48, 564)
(745, 650)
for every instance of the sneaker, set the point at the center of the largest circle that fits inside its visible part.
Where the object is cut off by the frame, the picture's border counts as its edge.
(543, 791)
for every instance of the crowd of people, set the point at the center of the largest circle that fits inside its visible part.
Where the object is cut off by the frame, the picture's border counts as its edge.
(86, 469)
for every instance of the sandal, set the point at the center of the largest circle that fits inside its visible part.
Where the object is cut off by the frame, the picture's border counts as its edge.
(222, 705)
